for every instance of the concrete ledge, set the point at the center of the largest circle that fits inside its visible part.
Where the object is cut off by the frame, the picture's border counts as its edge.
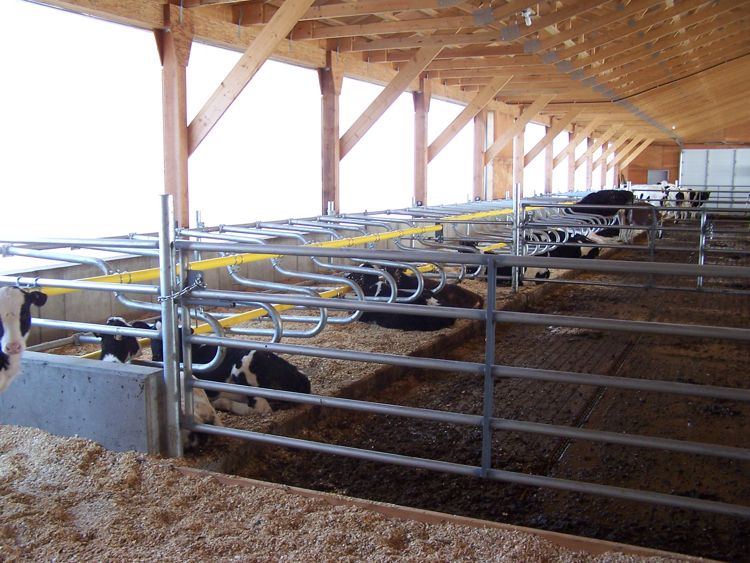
(116, 405)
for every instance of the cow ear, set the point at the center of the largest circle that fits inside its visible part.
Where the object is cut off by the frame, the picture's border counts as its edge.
(37, 298)
(141, 324)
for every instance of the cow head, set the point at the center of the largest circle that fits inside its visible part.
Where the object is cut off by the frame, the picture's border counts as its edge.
(15, 317)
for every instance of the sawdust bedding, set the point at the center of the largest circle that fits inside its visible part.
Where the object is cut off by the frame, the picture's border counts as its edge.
(69, 499)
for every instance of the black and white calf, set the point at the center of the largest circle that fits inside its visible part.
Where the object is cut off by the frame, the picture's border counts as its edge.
(118, 348)
(123, 349)
(15, 323)
(576, 246)
(255, 368)
(451, 295)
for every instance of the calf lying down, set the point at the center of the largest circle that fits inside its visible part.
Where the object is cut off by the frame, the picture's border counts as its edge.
(123, 349)
(253, 368)
(450, 295)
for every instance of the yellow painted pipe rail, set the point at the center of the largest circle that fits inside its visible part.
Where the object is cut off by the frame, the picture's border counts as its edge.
(237, 259)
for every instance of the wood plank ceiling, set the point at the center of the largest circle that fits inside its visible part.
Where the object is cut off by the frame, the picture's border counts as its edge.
(673, 71)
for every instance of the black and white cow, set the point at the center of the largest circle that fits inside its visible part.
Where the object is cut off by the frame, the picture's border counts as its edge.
(504, 274)
(123, 349)
(592, 204)
(255, 368)
(576, 249)
(451, 295)
(118, 348)
(697, 198)
(15, 323)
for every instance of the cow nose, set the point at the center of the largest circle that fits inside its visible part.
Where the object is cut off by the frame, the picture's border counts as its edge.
(13, 348)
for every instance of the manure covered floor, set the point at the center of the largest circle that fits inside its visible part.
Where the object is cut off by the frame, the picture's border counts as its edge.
(692, 360)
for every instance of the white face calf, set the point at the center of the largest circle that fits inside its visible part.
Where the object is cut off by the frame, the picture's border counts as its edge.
(15, 323)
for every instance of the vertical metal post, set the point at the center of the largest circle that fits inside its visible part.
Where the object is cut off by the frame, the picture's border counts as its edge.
(516, 235)
(169, 327)
(489, 361)
(702, 247)
(187, 360)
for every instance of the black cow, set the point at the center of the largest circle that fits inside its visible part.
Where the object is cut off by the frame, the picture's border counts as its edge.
(450, 295)
(591, 205)
(697, 198)
(15, 323)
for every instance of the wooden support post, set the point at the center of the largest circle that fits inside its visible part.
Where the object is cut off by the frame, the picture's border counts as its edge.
(479, 190)
(571, 154)
(390, 93)
(602, 162)
(518, 150)
(549, 154)
(331, 81)
(589, 162)
(422, 99)
(502, 164)
(173, 43)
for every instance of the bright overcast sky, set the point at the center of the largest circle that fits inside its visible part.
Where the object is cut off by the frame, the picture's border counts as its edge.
(82, 135)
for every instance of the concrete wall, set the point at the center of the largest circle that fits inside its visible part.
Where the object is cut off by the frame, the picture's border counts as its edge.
(116, 405)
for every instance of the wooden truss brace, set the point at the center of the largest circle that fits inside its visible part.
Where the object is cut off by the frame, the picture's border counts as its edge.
(253, 58)
(577, 138)
(390, 93)
(626, 151)
(598, 143)
(553, 132)
(627, 134)
(531, 112)
(483, 97)
(635, 153)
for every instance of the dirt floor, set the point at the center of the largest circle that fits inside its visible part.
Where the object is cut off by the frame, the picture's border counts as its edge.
(692, 360)
(70, 499)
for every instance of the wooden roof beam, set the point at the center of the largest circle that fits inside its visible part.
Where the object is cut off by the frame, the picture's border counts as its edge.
(393, 90)
(476, 105)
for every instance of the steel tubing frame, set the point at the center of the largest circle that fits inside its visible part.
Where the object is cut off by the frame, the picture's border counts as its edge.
(169, 295)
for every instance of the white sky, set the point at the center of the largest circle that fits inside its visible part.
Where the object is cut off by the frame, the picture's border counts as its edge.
(81, 149)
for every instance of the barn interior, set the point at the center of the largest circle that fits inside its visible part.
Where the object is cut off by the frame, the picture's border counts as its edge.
(601, 408)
